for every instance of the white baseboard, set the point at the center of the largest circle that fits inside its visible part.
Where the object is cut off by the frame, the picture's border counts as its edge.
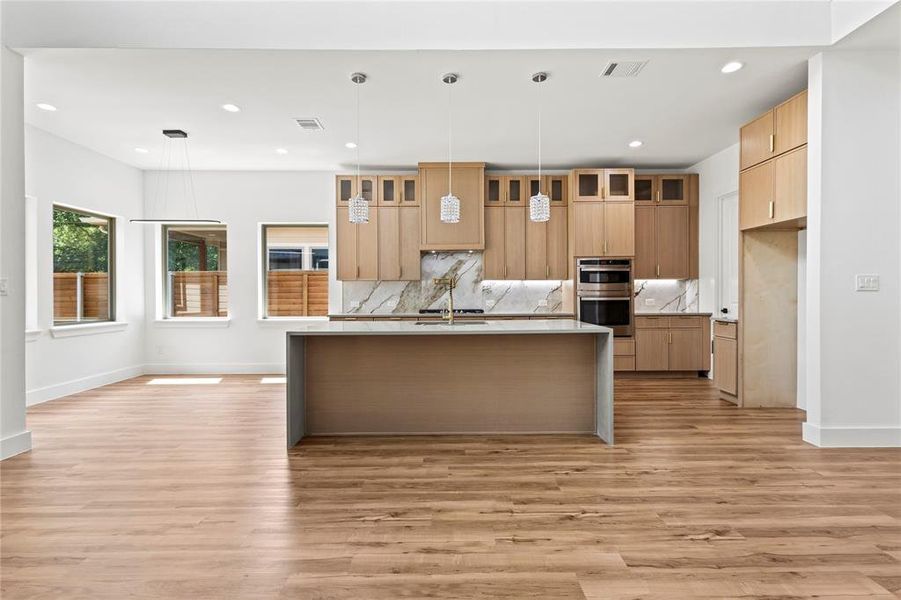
(852, 437)
(214, 368)
(15, 444)
(58, 390)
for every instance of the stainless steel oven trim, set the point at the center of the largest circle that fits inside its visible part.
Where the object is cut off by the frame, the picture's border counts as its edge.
(605, 299)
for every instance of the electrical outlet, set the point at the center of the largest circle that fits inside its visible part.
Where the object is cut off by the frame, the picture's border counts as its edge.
(650, 302)
(4, 286)
(866, 283)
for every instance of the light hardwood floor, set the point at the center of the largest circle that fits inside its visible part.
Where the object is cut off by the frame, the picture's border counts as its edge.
(140, 491)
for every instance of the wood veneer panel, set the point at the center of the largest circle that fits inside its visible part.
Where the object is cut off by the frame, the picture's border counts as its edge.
(505, 386)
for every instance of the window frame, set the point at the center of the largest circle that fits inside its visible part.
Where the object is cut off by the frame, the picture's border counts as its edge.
(307, 260)
(167, 290)
(111, 261)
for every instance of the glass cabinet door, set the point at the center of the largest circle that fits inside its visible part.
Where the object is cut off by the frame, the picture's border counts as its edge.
(408, 188)
(535, 184)
(388, 191)
(672, 189)
(516, 193)
(645, 189)
(556, 189)
(345, 187)
(618, 184)
(369, 188)
(494, 191)
(589, 184)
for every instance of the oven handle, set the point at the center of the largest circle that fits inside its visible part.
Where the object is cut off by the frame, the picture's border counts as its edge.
(604, 269)
(600, 299)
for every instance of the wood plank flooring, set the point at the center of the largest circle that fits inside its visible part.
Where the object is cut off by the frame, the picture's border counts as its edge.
(176, 491)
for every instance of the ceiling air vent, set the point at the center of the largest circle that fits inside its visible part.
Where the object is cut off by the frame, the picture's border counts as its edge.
(309, 124)
(624, 68)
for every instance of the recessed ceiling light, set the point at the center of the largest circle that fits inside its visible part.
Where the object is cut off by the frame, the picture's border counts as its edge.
(732, 67)
(281, 151)
(231, 108)
(142, 150)
(350, 145)
(635, 144)
(45, 106)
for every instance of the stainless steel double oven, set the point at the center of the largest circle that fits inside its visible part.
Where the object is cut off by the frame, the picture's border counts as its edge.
(604, 290)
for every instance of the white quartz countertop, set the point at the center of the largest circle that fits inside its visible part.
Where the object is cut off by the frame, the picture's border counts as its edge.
(513, 327)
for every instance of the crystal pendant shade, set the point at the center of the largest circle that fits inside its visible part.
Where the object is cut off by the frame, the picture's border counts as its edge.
(450, 209)
(358, 210)
(539, 208)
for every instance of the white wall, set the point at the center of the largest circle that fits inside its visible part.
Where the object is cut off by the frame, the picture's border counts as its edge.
(60, 172)
(14, 437)
(854, 225)
(242, 200)
(718, 176)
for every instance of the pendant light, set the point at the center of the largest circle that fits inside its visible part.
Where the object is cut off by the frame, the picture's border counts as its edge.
(357, 207)
(168, 165)
(539, 204)
(450, 204)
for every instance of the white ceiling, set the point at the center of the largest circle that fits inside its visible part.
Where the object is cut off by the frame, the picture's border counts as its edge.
(680, 105)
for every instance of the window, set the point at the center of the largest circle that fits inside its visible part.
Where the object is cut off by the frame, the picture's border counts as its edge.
(196, 259)
(295, 267)
(83, 260)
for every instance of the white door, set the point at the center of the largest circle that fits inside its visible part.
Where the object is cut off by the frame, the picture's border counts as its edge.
(727, 256)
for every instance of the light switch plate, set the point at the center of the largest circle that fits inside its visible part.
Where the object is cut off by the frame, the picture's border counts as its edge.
(866, 283)
(4, 286)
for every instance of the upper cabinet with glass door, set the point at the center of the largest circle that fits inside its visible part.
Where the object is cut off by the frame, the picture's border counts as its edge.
(346, 188)
(593, 185)
(397, 190)
(666, 189)
(619, 184)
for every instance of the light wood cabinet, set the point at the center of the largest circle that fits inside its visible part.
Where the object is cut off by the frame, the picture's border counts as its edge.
(557, 189)
(652, 349)
(775, 132)
(494, 255)
(790, 123)
(666, 226)
(389, 190)
(588, 228)
(790, 186)
(494, 190)
(645, 264)
(409, 190)
(514, 242)
(774, 193)
(756, 188)
(398, 243)
(619, 185)
(357, 247)
(515, 191)
(546, 246)
(725, 359)
(347, 186)
(672, 242)
(603, 228)
(757, 140)
(469, 187)
(619, 229)
(672, 343)
(588, 185)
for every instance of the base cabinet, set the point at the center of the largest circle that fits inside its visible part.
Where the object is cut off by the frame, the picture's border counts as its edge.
(672, 343)
(725, 358)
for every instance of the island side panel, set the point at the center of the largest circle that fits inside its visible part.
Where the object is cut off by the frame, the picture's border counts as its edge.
(294, 367)
(451, 384)
(604, 372)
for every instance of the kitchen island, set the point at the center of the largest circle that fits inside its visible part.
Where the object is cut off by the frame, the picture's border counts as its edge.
(488, 377)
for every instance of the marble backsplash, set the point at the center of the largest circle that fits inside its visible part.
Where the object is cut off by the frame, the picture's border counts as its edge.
(386, 297)
(666, 295)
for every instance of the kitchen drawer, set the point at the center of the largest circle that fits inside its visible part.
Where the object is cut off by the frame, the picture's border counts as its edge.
(654, 322)
(688, 321)
(623, 347)
(623, 363)
(725, 330)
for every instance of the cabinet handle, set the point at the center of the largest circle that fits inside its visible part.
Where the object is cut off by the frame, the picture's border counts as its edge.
(658, 196)
(772, 209)
(505, 271)
(358, 271)
(772, 142)
(670, 337)
(605, 246)
(658, 270)
(547, 272)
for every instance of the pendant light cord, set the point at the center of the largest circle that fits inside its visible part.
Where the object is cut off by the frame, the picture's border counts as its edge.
(359, 189)
(450, 129)
(539, 137)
